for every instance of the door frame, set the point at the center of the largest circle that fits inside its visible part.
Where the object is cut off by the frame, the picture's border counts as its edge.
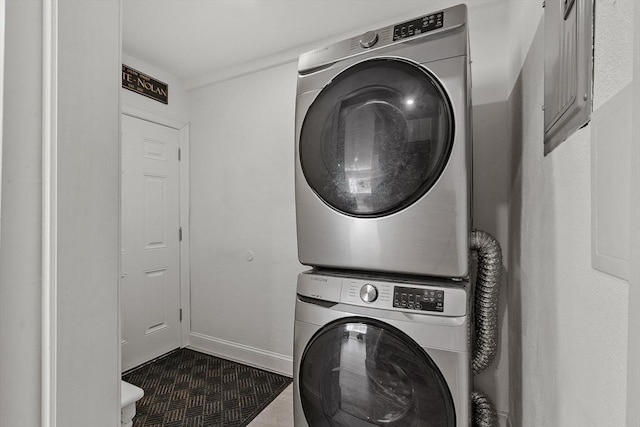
(57, 117)
(185, 274)
(633, 340)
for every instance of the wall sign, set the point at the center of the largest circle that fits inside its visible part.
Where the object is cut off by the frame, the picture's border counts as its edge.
(145, 85)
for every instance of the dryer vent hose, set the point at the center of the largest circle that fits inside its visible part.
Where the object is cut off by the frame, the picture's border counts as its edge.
(484, 413)
(486, 299)
(485, 302)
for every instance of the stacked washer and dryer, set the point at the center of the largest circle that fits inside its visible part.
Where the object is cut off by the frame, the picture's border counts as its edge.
(383, 209)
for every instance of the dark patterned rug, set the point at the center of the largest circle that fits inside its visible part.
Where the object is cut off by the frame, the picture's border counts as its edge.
(188, 388)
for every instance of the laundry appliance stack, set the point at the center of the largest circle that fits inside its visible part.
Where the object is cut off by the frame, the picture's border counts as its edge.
(383, 208)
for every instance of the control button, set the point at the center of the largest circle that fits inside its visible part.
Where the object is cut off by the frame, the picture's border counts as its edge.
(368, 293)
(368, 39)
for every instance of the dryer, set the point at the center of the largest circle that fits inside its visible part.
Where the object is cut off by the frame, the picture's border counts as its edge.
(370, 351)
(383, 149)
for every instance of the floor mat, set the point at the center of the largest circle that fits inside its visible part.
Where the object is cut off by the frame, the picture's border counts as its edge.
(188, 388)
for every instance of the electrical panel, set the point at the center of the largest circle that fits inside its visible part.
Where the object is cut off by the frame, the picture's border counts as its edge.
(568, 68)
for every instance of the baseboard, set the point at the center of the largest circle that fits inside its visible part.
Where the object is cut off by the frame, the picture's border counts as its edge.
(263, 359)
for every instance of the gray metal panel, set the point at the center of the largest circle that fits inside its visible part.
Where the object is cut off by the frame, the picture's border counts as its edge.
(344, 289)
(431, 237)
(568, 69)
(454, 19)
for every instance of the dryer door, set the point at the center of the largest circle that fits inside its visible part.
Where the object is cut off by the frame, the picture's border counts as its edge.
(377, 137)
(359, 372)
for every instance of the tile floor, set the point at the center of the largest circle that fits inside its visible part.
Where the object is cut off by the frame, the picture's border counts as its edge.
(279, 413)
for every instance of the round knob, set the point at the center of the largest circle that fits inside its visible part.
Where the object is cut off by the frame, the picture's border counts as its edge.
(368, 293)
(368, 39)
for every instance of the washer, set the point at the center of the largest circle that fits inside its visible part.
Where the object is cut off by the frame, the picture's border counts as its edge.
(383, 149)
(372, 352)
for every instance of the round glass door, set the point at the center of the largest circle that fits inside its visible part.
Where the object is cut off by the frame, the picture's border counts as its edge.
(377, 137)
(360, 372)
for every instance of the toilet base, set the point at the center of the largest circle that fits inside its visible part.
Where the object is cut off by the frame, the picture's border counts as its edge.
(126, 415)
(130, 394)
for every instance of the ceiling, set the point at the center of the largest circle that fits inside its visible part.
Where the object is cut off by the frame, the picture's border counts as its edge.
(193, 38)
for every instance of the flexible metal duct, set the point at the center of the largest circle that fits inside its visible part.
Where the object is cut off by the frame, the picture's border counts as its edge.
(485, 304)
(486, 299)
(484, 413)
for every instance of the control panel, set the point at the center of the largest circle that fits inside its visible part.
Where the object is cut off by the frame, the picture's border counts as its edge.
(418, 299)
(445, 20)
(406, 296)
(411, 296)
(418, 26)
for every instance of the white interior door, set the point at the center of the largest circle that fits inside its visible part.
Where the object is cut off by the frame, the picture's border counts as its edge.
(150, 268)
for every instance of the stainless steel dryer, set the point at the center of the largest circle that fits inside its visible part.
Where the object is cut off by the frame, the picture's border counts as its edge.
(372, 352)
(383, 149)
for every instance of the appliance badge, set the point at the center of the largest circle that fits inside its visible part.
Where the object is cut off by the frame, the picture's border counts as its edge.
(317, 51)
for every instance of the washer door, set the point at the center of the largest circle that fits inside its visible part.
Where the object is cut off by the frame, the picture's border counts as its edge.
(377, 137)
(359, 372)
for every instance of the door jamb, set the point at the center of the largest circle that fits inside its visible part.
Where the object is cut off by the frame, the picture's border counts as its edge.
(633, 340)
(49, 373)
(185, 274)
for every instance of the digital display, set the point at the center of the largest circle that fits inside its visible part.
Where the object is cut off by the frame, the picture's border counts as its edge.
(418, 26)
(418, 299)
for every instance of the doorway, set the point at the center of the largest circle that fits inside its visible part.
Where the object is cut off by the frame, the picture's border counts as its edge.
(150, 268)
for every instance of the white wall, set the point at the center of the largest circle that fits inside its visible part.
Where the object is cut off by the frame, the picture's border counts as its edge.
(568, 322)
(20, 280)
(242, 200)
